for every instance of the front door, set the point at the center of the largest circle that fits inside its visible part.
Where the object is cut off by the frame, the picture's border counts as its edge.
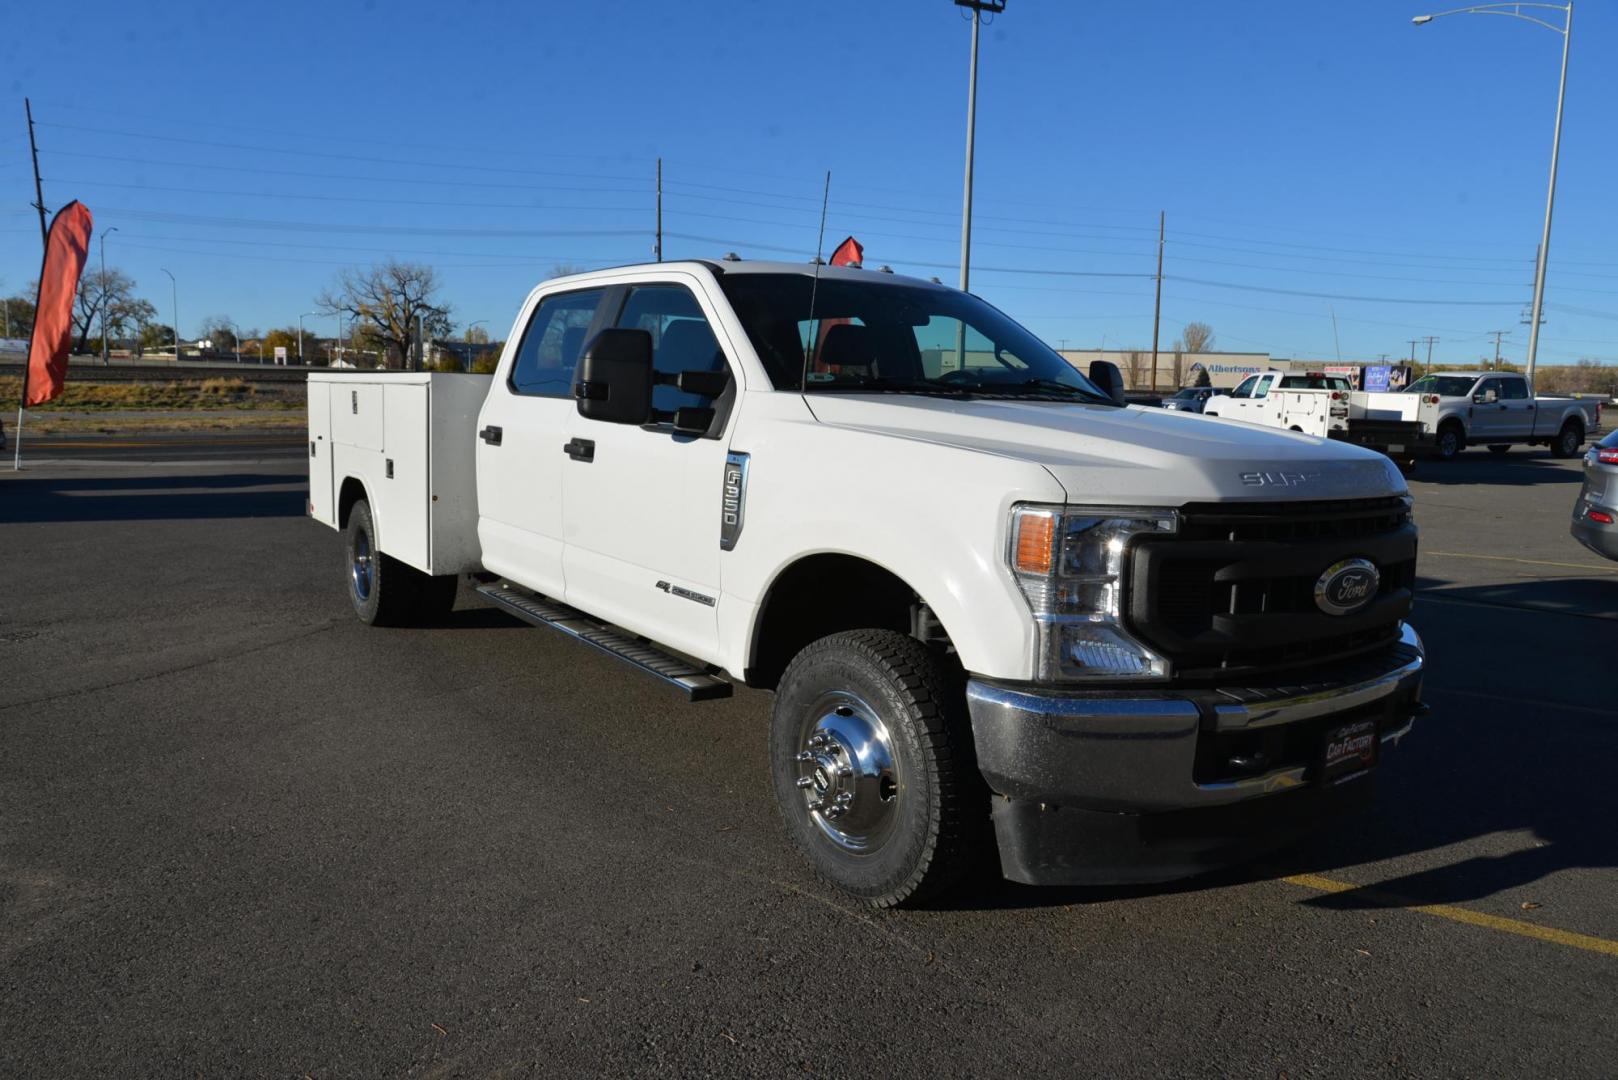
(1517, 418)
(1489, 413)
(521, 429)
(644, 503)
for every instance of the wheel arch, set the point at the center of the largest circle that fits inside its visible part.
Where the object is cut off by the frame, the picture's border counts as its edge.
(351, 491)
(827, 592)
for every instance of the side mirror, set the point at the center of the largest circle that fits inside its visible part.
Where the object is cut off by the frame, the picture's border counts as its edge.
(692, 421)
(1106, 375)
(1485, 398)
(614, 381)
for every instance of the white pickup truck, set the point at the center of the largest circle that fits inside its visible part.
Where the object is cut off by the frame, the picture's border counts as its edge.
(1000, 611)
(1495, 408)
(1322, 405)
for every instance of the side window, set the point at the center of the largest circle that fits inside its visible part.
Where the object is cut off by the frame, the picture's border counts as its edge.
(1487, 386)
(682, 340)
(552, 343)
(1263, 386)
(1245, 390)
(1513, 390)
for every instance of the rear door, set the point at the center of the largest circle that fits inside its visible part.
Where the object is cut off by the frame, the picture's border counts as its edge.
(643, 503)
(521, 429)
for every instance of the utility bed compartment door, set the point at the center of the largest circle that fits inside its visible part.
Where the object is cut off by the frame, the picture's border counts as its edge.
(404, 523)
(322, 498)
(356, 415)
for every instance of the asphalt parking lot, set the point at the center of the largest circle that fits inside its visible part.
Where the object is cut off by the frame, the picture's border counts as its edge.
(241, 834)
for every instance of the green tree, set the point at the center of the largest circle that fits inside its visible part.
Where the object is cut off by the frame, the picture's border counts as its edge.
(18, 318)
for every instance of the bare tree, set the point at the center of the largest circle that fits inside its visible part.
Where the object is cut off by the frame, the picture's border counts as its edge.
(1133, 364)
(385, 303)
(1198, 337)
(476, 335)
(115, 290)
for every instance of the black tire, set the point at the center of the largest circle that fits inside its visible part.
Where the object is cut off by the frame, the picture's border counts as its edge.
(383, 590)
(1568, 440)
(1451, 441)
(1499, 448)
(917, 812)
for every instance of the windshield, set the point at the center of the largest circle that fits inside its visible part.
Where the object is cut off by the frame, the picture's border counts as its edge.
(1442, 385)
(887, 337)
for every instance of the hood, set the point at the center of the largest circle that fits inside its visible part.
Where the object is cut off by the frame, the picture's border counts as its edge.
(1130, 456)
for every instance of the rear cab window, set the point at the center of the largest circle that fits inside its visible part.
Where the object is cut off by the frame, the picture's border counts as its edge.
(552, 343)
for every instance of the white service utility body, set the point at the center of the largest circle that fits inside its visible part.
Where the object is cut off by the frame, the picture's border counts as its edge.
(1323, 405)
(998, 607)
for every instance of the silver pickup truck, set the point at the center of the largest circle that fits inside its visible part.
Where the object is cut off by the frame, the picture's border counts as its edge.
(1495, 409)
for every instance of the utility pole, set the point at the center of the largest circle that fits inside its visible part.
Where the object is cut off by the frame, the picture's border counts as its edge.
(1157, 309)
(1413, 345)
(977, 7)
(1429, 341)
(659, 247)
(1498, 334)
(39, 191)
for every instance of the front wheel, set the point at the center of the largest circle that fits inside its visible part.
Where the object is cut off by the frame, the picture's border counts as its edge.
(874, 774)
(1451, 441)
(1567, 441)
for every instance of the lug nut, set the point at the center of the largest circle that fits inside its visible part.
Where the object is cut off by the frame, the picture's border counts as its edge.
(806, 781)
(804, 755)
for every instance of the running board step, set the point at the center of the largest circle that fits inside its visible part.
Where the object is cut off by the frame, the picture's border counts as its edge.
(695, 681)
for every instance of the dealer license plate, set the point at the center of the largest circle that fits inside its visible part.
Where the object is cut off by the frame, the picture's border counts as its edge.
(1348, 750)
(1396, 448)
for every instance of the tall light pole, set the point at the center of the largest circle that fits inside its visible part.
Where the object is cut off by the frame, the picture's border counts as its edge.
(305, 315)
(175, 287)
(469, 326)
(104, 236)
(977, 7)
(1566, 30)
(236, 337)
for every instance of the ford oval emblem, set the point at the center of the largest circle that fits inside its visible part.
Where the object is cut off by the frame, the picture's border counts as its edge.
(1346, 587)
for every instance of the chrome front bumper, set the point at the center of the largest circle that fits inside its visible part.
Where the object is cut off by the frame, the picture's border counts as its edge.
(1136, 752)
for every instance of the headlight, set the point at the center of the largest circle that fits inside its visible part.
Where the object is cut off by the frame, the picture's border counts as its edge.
(1069, 563)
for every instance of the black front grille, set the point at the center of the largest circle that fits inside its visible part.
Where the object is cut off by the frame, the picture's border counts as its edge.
(1233, 592)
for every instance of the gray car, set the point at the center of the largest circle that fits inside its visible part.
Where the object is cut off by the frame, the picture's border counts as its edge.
(1595, 515)
(1191, 399)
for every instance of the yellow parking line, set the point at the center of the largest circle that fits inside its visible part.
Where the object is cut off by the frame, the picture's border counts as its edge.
(1531, 562)
(1461, 915)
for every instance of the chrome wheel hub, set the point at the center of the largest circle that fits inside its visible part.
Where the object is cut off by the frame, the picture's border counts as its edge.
(359, 570)
(847, 773)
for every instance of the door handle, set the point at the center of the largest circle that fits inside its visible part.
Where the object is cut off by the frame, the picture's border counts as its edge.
(491, 435)
(580, 449)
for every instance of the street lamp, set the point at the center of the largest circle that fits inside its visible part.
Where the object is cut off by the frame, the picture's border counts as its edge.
(175, 286)
(236, 338)
(469, 326)
(1566, 30)
(104, 236)
(305, 315)
(978, 7)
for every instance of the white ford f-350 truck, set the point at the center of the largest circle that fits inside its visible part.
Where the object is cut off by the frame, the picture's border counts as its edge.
(1000, 611)
(1497, 409)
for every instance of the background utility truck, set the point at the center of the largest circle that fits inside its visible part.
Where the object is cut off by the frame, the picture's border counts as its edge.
(1001, 613)
(1323, 405)
(1495, 408)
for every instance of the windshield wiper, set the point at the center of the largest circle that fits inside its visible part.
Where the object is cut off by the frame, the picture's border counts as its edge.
(1047, 386)
(890, 386)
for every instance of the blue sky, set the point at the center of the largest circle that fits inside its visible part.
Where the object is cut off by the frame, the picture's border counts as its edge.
(1312, 158)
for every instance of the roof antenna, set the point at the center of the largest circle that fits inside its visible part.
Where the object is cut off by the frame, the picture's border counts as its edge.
(814, 286)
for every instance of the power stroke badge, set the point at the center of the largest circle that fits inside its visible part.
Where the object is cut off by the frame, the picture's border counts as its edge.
(1345, 587)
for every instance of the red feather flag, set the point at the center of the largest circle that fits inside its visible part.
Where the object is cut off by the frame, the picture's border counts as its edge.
(66, 251)
(848, 253)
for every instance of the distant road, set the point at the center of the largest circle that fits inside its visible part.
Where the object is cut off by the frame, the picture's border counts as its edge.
(188, 446)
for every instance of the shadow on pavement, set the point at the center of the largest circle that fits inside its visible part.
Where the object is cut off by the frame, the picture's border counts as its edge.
(152, 498)
(1518, 467)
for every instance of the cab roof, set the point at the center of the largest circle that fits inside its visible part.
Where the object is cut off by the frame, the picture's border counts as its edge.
(728, 267)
